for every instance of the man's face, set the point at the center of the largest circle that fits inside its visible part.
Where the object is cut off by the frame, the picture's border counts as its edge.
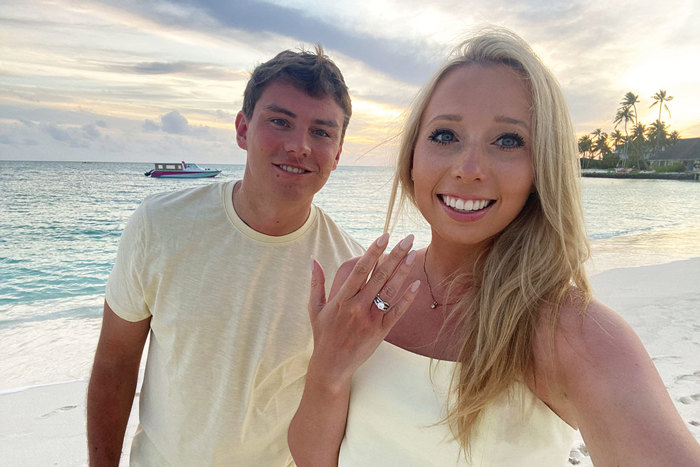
(293, 142)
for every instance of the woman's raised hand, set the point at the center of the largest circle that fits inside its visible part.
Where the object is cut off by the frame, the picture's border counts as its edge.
(348, 328)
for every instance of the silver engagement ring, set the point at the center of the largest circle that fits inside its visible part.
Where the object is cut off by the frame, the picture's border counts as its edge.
(381, 304)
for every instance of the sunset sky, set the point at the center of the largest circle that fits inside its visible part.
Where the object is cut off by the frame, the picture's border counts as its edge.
(163, 80)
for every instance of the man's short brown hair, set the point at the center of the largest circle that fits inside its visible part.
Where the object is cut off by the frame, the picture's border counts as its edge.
(313, 73)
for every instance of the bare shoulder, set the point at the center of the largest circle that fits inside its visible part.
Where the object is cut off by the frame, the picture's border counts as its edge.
(594, 349)
(574, 348)
(603, 381)
(581, 332)
(587, 333)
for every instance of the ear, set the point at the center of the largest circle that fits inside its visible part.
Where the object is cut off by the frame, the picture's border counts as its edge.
(337, 157)
(242, 131)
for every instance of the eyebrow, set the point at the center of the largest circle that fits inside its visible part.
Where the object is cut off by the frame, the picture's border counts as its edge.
(450, 117)
(289, 113)
(514, 121)
(498, 119)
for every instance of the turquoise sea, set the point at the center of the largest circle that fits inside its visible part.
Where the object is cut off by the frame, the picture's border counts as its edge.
(60, 223)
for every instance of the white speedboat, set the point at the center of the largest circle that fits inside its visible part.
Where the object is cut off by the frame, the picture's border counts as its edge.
(181, 170)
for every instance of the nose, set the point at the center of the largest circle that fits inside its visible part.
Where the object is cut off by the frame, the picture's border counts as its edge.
(298, 143)
(470, 164)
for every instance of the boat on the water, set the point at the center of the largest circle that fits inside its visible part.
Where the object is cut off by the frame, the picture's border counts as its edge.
(181, 170)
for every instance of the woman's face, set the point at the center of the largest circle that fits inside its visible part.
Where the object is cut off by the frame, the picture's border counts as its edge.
(471, 165)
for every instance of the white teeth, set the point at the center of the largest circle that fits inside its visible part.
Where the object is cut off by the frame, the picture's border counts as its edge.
(462, 205)
(293, 170)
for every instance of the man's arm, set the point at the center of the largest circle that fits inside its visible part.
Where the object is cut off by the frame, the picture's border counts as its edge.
(112, 385)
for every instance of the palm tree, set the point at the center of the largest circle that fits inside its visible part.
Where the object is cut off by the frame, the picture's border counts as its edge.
(638, 142)
(618, 139)
(657, 131)
(638, 133)
(631, 99)
(585, 146)
(601, 143)
(597, 134)
(661, 98)
(673, 137)
(625, 114)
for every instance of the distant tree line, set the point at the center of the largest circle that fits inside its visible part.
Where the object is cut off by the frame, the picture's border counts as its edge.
(632, 146)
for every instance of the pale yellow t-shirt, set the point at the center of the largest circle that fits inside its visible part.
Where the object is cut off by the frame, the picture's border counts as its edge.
(230, 333)
(397, 401)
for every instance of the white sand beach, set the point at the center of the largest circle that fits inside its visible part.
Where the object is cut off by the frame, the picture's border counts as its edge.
(45, 425)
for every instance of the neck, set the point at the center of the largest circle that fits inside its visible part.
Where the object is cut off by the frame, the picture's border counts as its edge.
(270, 217)
(443, 261)
(446, 258)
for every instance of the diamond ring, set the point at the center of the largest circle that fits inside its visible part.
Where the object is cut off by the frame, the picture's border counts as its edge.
(381, 304)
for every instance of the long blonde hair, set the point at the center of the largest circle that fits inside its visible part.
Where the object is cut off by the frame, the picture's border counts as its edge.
(533, 265)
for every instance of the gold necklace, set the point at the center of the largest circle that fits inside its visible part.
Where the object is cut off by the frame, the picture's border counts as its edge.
(435, 303)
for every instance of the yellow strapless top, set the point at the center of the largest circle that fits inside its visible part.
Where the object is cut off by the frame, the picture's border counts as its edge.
(395, 405)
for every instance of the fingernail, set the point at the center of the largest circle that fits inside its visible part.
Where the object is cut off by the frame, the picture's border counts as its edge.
(415, 286)
(406, 242)
(312, 263)
(383, 240)
(410, 257)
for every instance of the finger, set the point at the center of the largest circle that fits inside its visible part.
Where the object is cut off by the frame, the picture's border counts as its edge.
(395, 313)
(384, 271)
(389, 291)
(317, 296)
(363, 267)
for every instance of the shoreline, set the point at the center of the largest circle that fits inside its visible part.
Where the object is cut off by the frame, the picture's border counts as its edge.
(45, 424)
(645, 175)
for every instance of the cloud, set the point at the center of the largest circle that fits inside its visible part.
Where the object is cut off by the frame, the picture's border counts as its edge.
(56, 132)
(194, 69)
(224, 115)
(175, 123)
(408, 57)
(7, 139)
(149, 126)
(156, 68)
(123, 142)
(91, 132)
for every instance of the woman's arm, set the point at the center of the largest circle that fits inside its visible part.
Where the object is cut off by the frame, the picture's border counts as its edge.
(611, 389)
(347, 330)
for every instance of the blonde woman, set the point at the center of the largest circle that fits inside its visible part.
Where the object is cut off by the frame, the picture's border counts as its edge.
(485, 348)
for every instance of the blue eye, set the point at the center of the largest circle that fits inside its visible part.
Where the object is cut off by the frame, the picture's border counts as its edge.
(442, 136)
(279, 122)
(510, 141)
(321, 132)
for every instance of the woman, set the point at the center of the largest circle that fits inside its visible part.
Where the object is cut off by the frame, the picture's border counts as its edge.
(485, 348)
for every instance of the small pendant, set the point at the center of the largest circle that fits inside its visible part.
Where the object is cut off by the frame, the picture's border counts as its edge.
(433, 305)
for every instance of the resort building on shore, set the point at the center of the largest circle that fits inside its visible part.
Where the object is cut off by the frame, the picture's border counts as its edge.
(685, 151)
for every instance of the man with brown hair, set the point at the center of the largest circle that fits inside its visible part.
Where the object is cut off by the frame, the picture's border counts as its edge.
(219, 276)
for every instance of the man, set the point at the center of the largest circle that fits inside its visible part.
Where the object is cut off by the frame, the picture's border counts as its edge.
(219, 276)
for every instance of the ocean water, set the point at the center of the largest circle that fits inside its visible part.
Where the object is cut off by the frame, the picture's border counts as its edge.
(60, 224)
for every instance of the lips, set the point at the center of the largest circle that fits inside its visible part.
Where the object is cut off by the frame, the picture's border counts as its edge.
(465, 205)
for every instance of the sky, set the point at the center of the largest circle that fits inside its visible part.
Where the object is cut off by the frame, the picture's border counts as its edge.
(162, 80)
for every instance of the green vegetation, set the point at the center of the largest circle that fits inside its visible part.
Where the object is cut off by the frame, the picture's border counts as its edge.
(679, 167)
(633, 147)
